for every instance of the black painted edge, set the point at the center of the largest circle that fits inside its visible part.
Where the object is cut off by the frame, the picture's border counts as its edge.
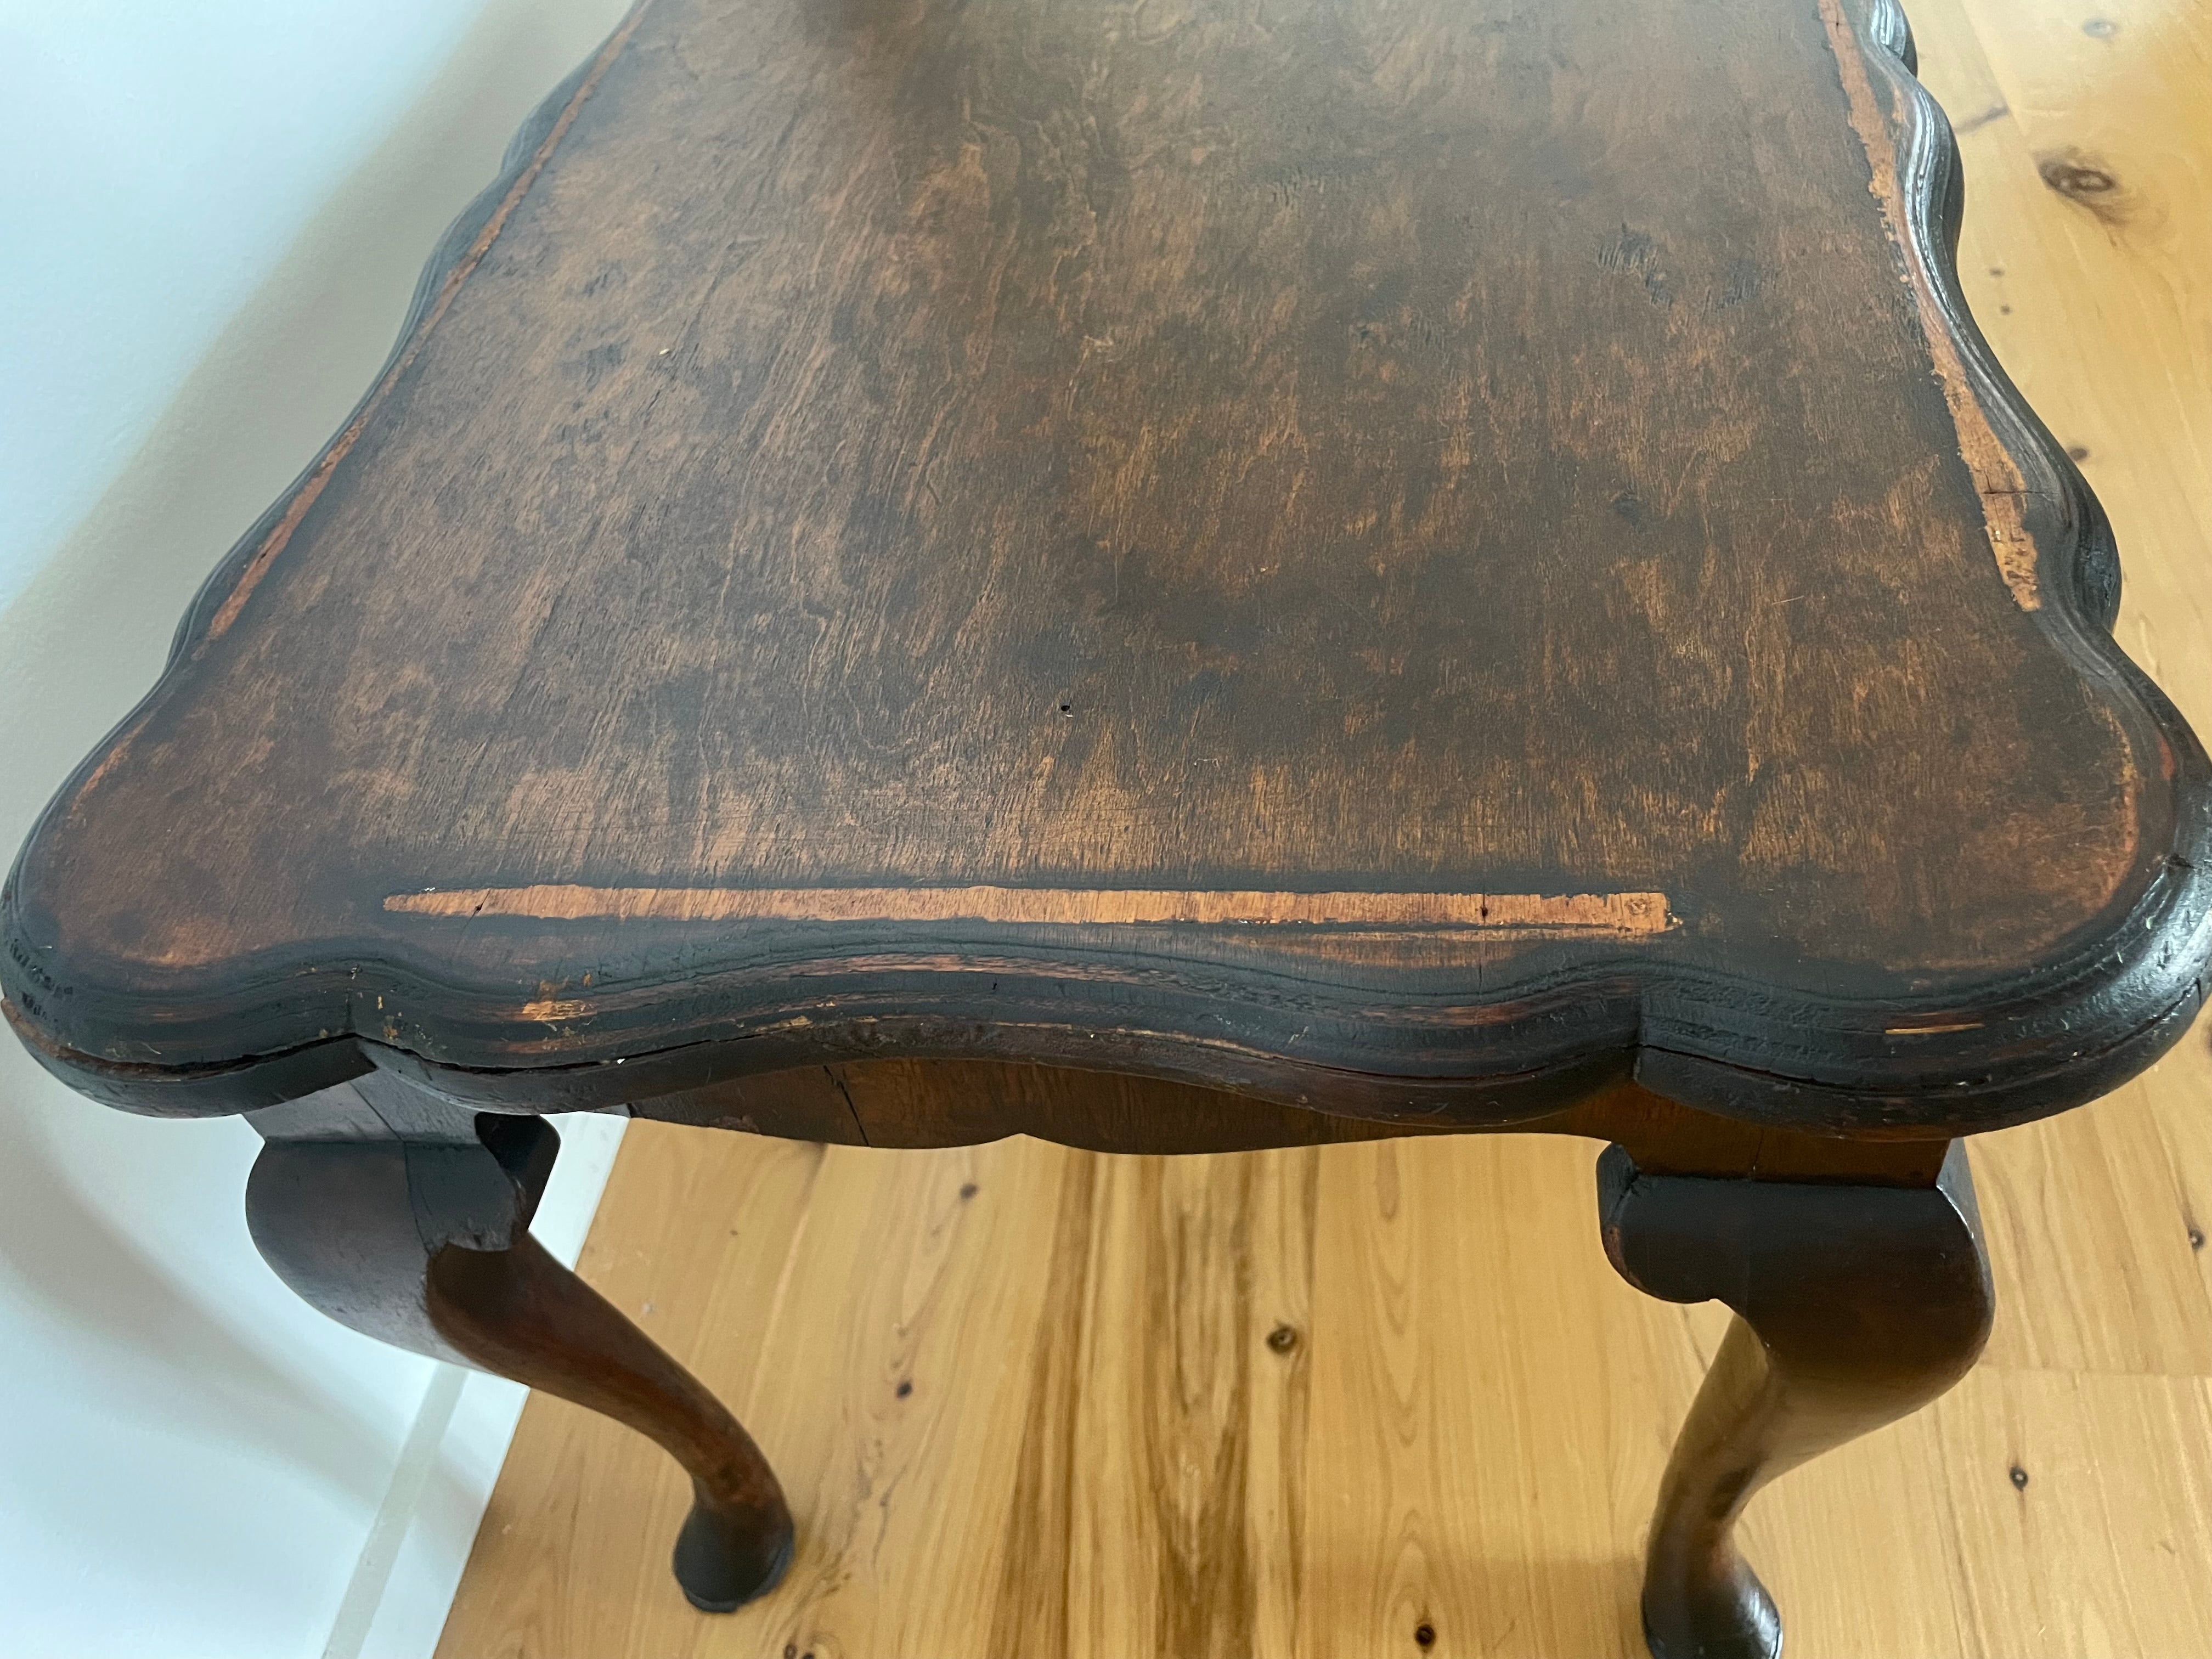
(1732, 1045)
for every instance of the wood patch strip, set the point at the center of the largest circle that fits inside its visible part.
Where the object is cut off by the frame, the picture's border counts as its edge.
(1622, 915)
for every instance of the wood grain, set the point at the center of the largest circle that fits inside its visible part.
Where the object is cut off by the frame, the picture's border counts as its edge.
(1854, 1306)
(915, 529)
(1485, 1408)
(959, 1103)
(1622, 915)
(1103, 1452)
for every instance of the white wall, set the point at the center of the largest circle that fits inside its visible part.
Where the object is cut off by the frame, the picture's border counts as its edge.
(160, 156)
(212, 214)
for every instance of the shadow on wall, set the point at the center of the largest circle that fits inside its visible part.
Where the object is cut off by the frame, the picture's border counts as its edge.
(151, 1340)
(94, 1206)
(88, 635)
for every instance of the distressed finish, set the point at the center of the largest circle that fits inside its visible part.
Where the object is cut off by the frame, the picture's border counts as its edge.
(1372, 555)
(1364, 570)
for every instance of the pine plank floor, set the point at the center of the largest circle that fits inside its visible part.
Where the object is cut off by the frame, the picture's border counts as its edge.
(1032, 1403)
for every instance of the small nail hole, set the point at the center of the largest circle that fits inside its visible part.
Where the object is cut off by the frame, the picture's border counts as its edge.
(2018, 1478)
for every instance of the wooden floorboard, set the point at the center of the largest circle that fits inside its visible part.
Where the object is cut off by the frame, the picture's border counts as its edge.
(1026, 1401)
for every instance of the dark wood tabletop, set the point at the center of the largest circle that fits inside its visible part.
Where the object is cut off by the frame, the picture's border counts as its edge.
(1409, 557)
(1174, 576)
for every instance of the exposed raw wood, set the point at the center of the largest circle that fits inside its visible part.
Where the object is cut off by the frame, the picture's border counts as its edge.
(990, 528)
(1619, 914)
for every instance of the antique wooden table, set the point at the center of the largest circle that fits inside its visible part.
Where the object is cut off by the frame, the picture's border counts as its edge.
(1174, 579)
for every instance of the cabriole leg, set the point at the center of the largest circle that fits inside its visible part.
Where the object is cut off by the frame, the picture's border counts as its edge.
(1855, 1305)
(408, 1219)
